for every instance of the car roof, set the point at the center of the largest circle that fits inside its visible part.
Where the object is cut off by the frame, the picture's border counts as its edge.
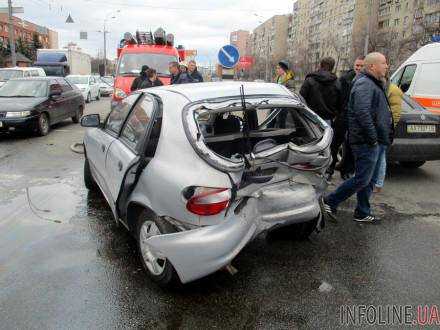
(429, 52)
(19, 68)
(38, 78)
(211, 90)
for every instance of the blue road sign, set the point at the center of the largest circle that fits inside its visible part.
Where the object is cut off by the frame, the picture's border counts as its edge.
(228, 56)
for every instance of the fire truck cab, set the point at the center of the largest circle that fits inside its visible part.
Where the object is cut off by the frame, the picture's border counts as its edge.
(155, 50)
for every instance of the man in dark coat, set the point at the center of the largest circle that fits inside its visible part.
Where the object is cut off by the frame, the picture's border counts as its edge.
(193, 72)
(142, 77)
(177, 76)
(322, 92)
(340, 122)
(369, 130)
(152, 80)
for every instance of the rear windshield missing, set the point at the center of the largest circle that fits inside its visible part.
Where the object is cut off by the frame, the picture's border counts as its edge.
(230, 132)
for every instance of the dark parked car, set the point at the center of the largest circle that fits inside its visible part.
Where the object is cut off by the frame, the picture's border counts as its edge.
(33, 104)
(417, 136)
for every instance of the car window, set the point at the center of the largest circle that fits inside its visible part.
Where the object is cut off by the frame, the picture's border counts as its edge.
(64, 85)
(407, 77)
(396, 78)
(117, 116)
(27, 74)
(34, 73)
(137, 123)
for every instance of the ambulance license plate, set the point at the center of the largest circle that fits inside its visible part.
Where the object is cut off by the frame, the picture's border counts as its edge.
(420, 128)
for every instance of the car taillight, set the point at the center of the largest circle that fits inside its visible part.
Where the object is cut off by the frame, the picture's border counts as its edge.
(207, 201)
(119, 94)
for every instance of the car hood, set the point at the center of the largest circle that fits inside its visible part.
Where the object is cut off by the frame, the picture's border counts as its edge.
(11, 104)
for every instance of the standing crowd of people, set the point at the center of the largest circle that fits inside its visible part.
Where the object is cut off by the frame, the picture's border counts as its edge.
(181, 73)
(362, 107)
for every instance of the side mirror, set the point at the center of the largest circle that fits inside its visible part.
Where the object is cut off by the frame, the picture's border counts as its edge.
(91, 121)
(55, 93)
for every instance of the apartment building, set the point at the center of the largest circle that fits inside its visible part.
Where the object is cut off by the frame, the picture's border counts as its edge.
(345, 29)
(26, 30)
(268, 44)
(241, 40)
(320, 28)
(403, 26)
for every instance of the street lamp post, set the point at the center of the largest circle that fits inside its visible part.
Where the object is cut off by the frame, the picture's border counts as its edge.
(104, 32)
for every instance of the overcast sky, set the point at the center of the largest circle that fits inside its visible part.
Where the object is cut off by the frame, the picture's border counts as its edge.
(203, 27)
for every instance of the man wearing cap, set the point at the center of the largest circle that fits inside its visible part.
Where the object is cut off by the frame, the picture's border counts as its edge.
(177, 76)
(285, 76)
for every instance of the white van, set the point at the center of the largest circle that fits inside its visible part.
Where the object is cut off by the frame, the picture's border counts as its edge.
(419, 77)
(19, 72)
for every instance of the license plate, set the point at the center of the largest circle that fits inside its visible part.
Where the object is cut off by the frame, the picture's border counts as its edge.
(420, 128)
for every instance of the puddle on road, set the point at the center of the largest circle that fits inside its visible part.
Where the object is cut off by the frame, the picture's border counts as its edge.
(55, 203)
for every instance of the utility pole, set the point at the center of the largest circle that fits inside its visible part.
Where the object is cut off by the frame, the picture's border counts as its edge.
(105, 48)
(267, 59)
(11, 34)
(367, 37)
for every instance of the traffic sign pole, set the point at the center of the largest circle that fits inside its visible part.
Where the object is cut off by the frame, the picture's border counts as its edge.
(11, 35)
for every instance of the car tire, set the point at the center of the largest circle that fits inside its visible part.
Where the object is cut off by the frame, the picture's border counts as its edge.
(159, 269)
(98, 96)
(89, 182)
(298, 231)
(89, 98)
(78, 115)
(43, 126)
(415, 164)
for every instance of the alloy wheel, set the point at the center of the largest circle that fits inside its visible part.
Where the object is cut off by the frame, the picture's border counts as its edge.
(154, 262)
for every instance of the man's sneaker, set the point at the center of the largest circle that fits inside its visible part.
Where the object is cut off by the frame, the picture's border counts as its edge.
(331, 213)
(367, 219)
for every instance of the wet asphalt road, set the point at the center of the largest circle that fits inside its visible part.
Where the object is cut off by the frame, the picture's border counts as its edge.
(65, 264)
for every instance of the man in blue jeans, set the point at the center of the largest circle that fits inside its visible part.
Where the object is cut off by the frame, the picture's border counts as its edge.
(369, 130)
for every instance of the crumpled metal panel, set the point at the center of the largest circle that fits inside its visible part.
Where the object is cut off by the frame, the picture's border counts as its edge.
(200, 252)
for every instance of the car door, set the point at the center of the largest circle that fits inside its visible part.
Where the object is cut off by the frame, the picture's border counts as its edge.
(124, 152)
(67, 110)
(56, 102)
(98, 141)
(94, 87)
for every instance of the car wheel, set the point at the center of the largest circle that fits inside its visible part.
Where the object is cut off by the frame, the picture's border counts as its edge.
(89, 98)
(98, 96)
(78, 115)
(89, 182)
(43, 124)
(298, 231)
(412, 164)
(158, 268)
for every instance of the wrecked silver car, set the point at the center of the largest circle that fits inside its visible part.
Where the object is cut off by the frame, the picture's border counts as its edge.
(196, 171)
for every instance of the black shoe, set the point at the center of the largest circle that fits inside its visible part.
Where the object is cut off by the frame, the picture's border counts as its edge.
(331, 213)
(367, 219)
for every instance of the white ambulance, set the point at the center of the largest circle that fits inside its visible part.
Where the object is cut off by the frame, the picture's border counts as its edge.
(419, 77)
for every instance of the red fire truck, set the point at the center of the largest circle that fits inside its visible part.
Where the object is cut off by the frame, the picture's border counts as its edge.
(155, 50)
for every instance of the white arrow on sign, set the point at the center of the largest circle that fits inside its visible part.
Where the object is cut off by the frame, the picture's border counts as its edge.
(230, 58)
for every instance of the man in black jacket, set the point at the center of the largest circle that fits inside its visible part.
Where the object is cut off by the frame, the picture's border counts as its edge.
(139, 80)
(369, 129)
(193, 72)
(340, 123)
(177, 76)
(322, 92)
